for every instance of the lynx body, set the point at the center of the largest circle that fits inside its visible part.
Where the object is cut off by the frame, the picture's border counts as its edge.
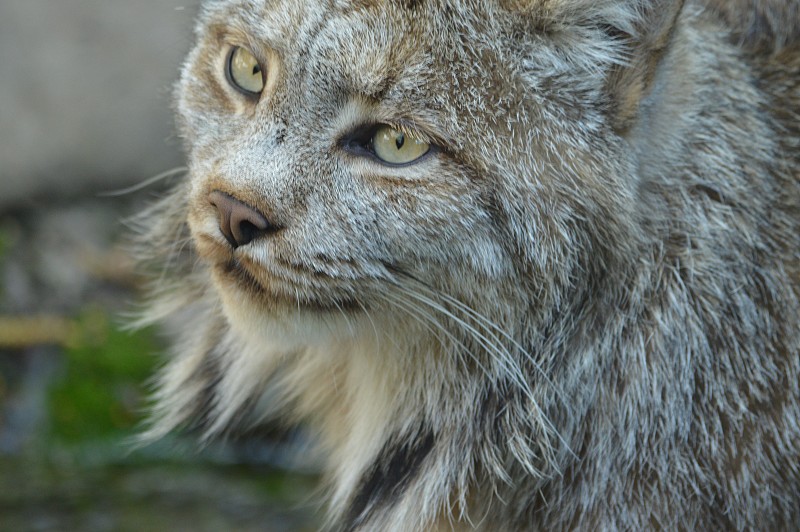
(577, 309)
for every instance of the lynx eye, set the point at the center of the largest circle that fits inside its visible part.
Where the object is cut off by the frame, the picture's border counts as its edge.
(396, 147)
(245, 72)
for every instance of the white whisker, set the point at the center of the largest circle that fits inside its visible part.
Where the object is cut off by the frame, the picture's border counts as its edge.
(346, 318)
(429, 321)
(521, 350)
(489, 341)
(372, 322)
(143, 184)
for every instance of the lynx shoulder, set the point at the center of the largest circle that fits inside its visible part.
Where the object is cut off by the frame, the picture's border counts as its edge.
(517, 264)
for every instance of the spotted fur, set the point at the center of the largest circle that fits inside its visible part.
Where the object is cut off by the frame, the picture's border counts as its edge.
(578, 311)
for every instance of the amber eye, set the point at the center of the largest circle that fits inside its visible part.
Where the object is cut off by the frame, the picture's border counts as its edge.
(396, 147)
(244, 71)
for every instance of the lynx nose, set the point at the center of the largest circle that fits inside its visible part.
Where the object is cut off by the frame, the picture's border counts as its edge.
(240, 223)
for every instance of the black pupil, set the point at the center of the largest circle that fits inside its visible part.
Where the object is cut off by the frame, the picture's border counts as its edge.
(400, 140)
(256, 69)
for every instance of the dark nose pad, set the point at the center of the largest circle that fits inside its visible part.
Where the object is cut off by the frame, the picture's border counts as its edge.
(240, 223)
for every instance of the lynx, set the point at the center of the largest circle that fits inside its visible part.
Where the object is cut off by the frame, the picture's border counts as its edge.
(516, 264)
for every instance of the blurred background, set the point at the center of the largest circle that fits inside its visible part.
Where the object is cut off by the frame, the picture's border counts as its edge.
(85, 95)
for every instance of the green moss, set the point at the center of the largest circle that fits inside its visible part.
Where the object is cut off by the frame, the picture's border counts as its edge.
(3, 243)
(44, 494)
(99, 395)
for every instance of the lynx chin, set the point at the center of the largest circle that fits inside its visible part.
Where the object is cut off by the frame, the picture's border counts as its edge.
(517, 264)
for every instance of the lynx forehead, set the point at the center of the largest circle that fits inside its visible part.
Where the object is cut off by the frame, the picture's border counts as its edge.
(519, 264)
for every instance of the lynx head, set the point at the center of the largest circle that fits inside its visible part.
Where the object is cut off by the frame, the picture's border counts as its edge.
(391, 205)
(338, 148)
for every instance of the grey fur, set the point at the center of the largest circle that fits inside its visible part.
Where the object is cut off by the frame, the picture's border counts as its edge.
(581, 312)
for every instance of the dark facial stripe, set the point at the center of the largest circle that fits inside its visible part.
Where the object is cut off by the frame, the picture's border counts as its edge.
(403, 4)
(383, 483)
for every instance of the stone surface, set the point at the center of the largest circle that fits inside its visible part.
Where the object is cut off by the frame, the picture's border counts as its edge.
(85, 94)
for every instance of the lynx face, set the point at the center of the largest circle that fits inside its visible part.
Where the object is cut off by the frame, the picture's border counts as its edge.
(352, 142)
(518, 264)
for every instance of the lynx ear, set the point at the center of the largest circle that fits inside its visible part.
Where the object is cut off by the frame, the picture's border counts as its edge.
(642, 30)
(651, 37)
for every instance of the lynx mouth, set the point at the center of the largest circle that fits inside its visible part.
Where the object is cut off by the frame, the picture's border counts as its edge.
(279, 291)
(320, 285)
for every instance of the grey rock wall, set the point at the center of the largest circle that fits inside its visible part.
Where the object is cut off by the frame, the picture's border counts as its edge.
(85, 94)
